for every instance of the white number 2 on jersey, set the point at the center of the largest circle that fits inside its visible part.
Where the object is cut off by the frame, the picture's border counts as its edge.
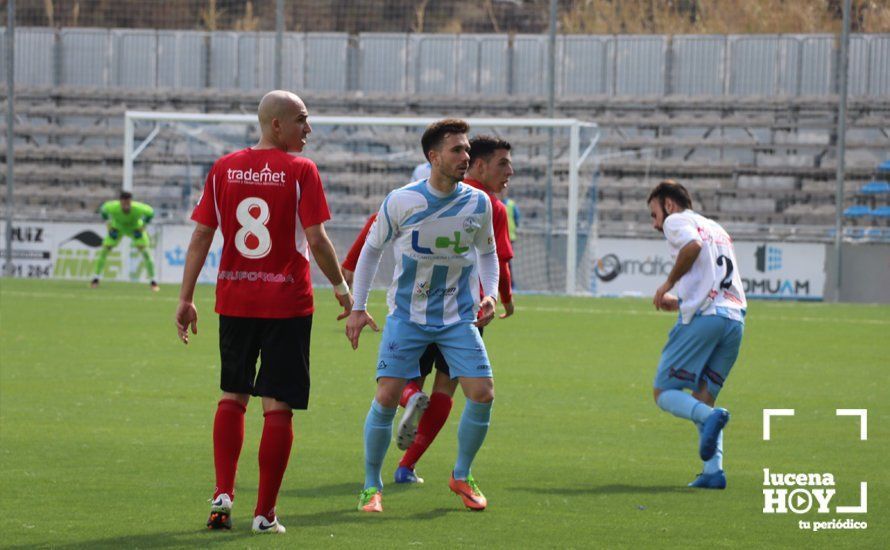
(255, 226)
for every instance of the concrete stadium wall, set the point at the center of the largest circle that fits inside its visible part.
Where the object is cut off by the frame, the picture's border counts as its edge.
(865, 272)
(443, 64)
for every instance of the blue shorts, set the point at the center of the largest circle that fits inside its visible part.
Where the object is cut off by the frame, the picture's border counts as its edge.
(404, 342)
(706, 349)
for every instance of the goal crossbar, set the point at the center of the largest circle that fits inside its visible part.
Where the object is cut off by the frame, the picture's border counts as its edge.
(574, 126)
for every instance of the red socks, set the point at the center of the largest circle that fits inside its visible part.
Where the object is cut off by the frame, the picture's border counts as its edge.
(430, 423)
(275, 446)
(278, 435)
(410, 389)
(228, 436)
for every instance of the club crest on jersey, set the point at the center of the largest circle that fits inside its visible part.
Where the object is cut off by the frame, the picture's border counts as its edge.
(471, 224)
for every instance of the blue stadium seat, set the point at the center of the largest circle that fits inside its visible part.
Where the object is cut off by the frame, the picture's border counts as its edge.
(881, 212)
(875, 188)
(857, 211)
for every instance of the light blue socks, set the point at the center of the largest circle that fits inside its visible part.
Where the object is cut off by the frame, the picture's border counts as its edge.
(378, 432)
(683, 405)
(470, 434)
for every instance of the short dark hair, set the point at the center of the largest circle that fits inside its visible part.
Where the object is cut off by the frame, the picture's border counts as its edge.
(670, 189)
(435, 133)
(482, 147)
(125, 195)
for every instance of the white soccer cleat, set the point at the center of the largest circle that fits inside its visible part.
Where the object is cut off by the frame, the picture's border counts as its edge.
(262, 526)
(407, 431)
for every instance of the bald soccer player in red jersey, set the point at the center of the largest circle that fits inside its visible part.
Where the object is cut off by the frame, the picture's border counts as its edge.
(270, 207)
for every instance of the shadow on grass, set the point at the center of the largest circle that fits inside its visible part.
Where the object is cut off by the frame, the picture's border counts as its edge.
(605, 490)
(196, 538)
(201, 538)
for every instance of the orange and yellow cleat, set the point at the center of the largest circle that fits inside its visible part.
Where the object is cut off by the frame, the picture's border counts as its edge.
(469, 492)
(370, 500)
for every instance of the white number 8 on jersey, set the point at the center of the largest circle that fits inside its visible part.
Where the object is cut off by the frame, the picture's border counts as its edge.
(255, 226)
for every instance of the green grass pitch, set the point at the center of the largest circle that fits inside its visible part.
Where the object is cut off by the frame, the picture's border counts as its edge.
(105, 430)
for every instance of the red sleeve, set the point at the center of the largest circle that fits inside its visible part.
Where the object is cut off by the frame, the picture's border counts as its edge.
(313, 207)
(352, 258)
(505, 282)
(501, 231)
(205, 210)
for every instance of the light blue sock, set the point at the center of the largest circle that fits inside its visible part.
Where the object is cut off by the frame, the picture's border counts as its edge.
(716, 463)
(470, 434)
(679, 403)
(378, 431)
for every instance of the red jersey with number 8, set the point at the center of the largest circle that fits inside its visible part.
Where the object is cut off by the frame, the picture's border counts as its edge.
(262, 199)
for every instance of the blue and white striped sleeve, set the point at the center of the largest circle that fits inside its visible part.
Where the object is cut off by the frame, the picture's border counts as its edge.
(385, 228)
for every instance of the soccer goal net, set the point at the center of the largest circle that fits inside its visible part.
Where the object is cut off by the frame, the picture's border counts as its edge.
(168, 155)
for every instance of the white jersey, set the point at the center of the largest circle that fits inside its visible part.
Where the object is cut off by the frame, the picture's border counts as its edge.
(436, 241)
(713, 286)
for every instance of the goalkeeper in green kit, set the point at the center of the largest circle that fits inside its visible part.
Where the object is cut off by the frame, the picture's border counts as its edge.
(126, 217)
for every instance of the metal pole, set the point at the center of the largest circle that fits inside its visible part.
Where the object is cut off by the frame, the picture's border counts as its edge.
(572, 233)
(551, 107)
(129, 131)
(279, 42)
(10, 134)
(841, 148)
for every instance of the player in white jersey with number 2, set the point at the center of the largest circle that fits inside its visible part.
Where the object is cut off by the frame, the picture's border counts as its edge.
(441, 231)
(704, 344)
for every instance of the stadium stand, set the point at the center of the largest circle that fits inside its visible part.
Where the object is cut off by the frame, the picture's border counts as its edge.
(761, 164)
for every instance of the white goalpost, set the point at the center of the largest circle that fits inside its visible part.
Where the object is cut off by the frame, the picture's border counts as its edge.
(361, 158)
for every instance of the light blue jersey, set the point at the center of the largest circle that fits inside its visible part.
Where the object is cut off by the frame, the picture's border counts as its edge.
(435, 240)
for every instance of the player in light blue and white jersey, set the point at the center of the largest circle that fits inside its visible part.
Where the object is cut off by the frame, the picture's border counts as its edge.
(441, 231)
(703, 346)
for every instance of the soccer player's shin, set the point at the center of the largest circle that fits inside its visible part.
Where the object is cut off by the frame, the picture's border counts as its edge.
(683, 405)
(149, 263)
(101, 258)
(378, 432)
(430, 424)
(470, 434)
(228, 437)
(275, 446)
